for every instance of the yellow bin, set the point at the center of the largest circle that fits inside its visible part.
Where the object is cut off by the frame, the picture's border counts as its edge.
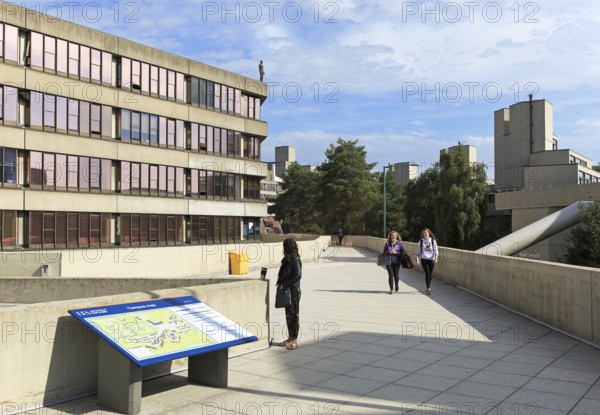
(238, 263)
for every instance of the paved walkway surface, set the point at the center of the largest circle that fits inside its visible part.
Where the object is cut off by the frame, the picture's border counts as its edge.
(363, 351)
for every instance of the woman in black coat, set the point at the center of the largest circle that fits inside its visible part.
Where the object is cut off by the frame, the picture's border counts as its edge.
(289, 276)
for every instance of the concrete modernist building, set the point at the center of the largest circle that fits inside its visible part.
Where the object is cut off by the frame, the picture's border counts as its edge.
(284, 156)
(106, 142)
(405, 171)
(526, 153)
(534, 178)
(470, 151)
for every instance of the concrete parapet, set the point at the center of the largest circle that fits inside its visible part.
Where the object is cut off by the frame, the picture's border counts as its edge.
(152, 262)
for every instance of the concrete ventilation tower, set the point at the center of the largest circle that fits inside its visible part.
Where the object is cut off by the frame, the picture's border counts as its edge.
(284, 156)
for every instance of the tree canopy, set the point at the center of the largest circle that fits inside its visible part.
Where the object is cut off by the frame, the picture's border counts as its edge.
(344, 192)
(583, 242)
(349, 189)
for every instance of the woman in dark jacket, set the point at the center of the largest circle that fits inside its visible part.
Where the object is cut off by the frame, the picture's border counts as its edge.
(289, 276)
(394, 247)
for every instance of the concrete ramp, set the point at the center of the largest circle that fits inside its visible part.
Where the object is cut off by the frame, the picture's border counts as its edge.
(535, 232)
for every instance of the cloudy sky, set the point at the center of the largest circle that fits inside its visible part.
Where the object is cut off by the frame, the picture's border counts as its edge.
(404, 78)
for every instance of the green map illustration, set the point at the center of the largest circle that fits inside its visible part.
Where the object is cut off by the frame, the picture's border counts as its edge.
(151, 333)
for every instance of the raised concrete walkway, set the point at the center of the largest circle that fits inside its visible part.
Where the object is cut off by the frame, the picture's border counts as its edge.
(363, 351)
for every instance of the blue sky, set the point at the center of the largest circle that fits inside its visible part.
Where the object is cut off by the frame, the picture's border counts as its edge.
(404, 78)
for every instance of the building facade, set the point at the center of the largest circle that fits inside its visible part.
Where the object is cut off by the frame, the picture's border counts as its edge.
(105, 142)
(534, 178)
(526, 153)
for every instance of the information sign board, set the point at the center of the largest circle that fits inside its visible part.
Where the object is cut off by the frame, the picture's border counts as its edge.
(156, 331)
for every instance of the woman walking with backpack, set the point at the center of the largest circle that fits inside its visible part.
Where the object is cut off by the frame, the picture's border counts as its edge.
(427, 255)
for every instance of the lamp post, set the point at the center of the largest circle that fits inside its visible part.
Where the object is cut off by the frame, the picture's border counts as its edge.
(385, 170)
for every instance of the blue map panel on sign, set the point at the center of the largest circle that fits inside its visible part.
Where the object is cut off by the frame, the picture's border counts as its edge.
(156, 331)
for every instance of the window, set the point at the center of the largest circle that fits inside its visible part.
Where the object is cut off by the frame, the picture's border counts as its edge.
(145, 128)
(145, 179)
(171, 85)
(84, 173)
(194, 91)
(125, 125)
(84, 118)
(180, 87)
(49, 53)
(107, 68)
(179, 134)
(136, 70)
(107, 129)
(49, 229)
(194, 137)
(72, 228)
(96, 65)
(171, 133)
(73, 59)
(125, 73)
(61, 229)
(37, 51)
(145, 79)
(1, 40)
(72, 173)
(162, 83)
(135, 178)
(154, 130)
(73, 122)
(61, 114)
(11, 43)
(62, 61)
(10, 105)
(49, 111)
(217, 96)
(154, 80)
(48, 171)
(35, 229)
(84, 229)
(135, 125)
(84, 59)
(95, 119)
(61, 172)
(8, 166)
(125, 177)
(8, 226)
(95, 174)
(35, 171)
(36, 109)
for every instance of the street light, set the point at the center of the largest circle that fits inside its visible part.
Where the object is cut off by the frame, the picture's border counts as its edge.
(388, 167)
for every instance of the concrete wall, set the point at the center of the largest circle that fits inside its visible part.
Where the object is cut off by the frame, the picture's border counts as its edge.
(149, 262)
(47, 356)
(565, 297)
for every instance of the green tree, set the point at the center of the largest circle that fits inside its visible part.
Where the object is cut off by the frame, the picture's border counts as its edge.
(583, 242)
(348, 188)
(296, 207)
(460, 200)
(394, 209)
(420, 203)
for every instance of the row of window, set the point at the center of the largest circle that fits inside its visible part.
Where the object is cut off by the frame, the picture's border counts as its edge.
(65, 115)
(55, 230)
(61, 57)
(576, 160)
(50, 171)
(587, 178)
